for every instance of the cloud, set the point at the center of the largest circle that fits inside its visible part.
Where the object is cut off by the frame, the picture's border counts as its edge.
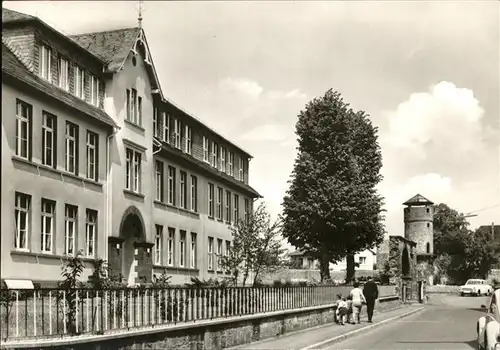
(241, 86)
(436, 120)
(267, 132)
(435, 143)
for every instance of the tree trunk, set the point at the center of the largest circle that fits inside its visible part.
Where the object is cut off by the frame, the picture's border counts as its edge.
(350, 269)
(324, 265)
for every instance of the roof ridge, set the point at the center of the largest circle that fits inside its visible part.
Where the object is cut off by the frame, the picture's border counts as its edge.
(104, 31)
(21, 13)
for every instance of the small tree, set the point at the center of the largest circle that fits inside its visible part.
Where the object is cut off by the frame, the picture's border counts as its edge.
(72, 270)
(256, 246)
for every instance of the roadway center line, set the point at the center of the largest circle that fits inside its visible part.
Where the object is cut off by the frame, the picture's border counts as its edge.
(359, 330)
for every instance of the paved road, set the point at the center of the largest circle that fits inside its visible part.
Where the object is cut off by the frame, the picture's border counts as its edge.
(448, 322)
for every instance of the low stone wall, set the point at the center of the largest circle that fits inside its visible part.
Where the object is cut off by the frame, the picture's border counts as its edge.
(441, 289)
(212, 334)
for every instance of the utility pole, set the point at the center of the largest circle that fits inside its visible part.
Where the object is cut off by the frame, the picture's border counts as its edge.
(493, 231)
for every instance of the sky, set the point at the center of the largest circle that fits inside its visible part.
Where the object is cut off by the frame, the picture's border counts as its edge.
(426, 72)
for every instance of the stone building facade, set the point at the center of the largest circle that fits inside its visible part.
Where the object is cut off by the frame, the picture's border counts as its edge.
(96, 159)
(418, 221)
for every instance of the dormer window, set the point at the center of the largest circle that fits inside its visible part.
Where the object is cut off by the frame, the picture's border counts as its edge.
(63, 74)
(94, 91)
(189, 142)
(45, 62)
(205, 149)
(240, 168)
(223, 159)
(79, 82)
(166, 126)
(213, 160)
(177, 133)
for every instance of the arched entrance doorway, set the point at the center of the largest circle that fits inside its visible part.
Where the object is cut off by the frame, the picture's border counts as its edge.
(130, 253)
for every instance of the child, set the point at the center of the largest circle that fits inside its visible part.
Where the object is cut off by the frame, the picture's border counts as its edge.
(342, 309)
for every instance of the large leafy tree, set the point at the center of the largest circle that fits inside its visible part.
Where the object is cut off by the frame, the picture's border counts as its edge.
(462, 253)
(256, 247)
(332, 209)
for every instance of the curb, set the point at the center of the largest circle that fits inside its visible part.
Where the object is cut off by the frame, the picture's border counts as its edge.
(344, 336)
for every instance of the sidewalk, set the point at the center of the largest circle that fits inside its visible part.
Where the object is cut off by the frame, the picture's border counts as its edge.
(307, 337)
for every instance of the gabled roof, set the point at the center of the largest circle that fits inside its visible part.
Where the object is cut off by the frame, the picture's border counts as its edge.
(112, 46)
(14, 18)
(14, 71)
(418, 200)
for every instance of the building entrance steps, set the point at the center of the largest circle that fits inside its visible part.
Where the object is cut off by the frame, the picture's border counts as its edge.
(313, 338)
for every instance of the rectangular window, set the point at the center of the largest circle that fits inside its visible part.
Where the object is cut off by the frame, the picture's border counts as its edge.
(129, 105)
(362, 260)
(22, 213)
(71, 145)
(228, 248)
(155, 122)
(90, 232)
(23, 129)
(240, 169)
(219, 202)
(94, 91)
(133, 106)
(228, 206)
(210, 200)
(79, 82)
(133, 170)
(139, 111)
(219, 254)
(166, 126)
(177, 133)
(194, 193)
(92, 156)
(192, 253)
(236, 208)
(63, 74)
(170, 246)
(183, 190)
(182, 247)
(230, 162)
(158, 244)
(70, 222)
(159, 181)
(247, 209)
(49, 139)
(189, 142)
(171, 185)
(223, 159)
(48, 211)
(45, 62)
(210, 253)
(213, 160)
(205, 149)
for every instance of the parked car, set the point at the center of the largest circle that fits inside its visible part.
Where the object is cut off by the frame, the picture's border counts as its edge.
(476, 287)
(488, 326)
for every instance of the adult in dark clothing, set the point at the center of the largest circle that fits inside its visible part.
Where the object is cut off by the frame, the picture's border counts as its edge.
(370, 291)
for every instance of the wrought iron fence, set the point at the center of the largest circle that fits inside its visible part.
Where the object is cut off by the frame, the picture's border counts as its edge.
(42, 313)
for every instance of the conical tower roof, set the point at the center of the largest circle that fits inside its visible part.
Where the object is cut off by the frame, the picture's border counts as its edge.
(418, 200)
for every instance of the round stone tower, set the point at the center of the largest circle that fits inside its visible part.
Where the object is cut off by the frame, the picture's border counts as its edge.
(418, 217)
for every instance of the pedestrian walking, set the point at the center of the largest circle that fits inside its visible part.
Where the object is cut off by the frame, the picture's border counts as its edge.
(358, 299)
(370, 291)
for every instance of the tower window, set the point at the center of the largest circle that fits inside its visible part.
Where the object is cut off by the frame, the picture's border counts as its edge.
(427, 210)
(428, 247)
(428, 225)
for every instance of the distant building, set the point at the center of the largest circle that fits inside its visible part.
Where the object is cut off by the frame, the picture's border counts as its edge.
(366, 261)
(96, 159)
